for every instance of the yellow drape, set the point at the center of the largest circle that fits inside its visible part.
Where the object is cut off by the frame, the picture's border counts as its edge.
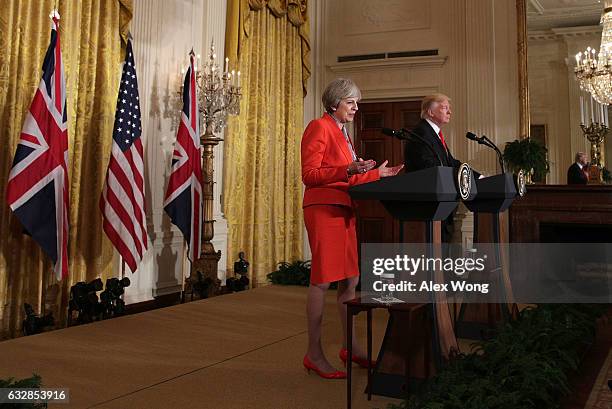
(90, 33)
(262, 186)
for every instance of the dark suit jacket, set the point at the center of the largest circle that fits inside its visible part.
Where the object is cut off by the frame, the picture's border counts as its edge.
(417, 156)
(575, 176)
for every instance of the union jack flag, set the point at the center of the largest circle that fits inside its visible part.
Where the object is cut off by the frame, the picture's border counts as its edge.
(183, 201)
(122, 199)
(37, 189)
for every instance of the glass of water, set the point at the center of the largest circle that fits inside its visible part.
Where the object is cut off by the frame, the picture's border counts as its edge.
(386, 294)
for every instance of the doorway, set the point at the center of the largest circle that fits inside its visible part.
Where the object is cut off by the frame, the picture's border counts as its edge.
(374, 224)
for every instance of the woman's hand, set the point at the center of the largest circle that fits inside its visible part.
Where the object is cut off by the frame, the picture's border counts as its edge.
(386, 171)
(360, 166)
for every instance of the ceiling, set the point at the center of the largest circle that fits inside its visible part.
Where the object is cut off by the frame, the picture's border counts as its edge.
(547, 14)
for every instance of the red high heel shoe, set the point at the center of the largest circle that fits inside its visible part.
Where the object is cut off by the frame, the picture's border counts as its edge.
(327, 375)
(362, 362)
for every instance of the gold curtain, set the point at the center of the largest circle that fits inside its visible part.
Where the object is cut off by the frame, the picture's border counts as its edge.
(90, 33)
(262, 188)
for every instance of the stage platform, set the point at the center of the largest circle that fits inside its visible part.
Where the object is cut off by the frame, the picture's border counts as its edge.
(241, 350)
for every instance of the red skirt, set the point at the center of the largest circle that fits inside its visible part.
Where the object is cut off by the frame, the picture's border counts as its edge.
(333, 242)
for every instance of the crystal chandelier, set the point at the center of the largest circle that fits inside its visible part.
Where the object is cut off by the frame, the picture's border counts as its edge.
(594, 70)
(219, 94)
(594, 75)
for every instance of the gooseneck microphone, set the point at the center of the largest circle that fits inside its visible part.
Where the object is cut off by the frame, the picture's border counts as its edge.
(483, 140)
(399, 134)
(406, 134)
(473, 137)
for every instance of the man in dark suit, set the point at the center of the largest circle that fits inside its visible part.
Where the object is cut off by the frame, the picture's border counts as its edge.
(577, 174)
(435, 112)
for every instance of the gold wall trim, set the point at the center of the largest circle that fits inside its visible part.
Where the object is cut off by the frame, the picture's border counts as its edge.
(521, 23)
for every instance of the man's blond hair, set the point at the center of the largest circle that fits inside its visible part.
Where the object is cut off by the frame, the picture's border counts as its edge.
(579, 155)
(430, 102)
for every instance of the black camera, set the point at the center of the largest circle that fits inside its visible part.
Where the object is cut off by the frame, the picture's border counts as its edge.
(33, 324)
(112, 303)
(84, 300)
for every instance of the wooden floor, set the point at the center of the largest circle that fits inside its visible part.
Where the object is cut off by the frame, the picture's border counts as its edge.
(240, 350)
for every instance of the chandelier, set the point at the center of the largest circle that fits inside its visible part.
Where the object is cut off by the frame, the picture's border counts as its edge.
(594, 70)
(594, 75)
(219, 93)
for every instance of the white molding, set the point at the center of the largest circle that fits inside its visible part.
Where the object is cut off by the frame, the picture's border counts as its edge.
(399, 94)
(580, 31)
(366, 18)
(388, 63)
(564, 16)
(167, 287)
(136, 296)
(539, 9)
(541, 35)
(564, 33)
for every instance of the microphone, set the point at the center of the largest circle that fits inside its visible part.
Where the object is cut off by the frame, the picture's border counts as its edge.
(399, 134)
(473, 137)
(483, 140)
(406, 134)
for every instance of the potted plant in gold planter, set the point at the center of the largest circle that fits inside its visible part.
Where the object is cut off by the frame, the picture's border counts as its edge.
(529, 155)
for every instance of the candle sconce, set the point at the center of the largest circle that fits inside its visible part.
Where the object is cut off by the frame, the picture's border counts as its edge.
(218, 95)
(594, 124)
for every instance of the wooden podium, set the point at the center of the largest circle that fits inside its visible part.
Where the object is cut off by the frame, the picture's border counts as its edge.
(495, 194)
(422, 199)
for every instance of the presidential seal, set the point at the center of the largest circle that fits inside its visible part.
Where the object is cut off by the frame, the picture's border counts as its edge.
(464, 181)
(521, 183)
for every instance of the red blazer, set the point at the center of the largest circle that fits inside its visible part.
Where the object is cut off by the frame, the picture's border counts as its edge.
(325, 159)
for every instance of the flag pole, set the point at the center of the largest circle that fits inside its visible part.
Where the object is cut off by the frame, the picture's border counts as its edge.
(183, 273)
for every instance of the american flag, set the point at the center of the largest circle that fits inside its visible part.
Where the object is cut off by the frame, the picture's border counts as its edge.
(37, 189)
(122, 200)
(183, 201)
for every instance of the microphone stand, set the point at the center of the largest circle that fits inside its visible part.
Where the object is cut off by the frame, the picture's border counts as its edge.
(406, 134)
(500, 156)
(483, 140)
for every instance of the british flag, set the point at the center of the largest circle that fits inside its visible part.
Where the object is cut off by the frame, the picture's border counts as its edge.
(122, 201)
(183, 201)
(37, 189)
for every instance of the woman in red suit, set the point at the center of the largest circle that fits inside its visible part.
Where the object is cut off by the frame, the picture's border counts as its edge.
(329, 167)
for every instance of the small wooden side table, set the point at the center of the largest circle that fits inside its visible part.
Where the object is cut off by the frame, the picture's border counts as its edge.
(406, 310)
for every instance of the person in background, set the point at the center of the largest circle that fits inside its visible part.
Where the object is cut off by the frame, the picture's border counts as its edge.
(578, 172)
(330, 166)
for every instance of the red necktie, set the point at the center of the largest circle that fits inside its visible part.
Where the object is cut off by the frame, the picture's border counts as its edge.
(443, 141)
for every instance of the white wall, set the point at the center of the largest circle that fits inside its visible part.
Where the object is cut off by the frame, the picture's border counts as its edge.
(164, 32)
(476, 65)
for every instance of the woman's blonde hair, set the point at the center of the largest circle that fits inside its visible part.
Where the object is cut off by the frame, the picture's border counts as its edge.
(337, 90)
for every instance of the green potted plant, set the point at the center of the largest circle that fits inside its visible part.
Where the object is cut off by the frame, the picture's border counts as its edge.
(294, 273)
(529, 155)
